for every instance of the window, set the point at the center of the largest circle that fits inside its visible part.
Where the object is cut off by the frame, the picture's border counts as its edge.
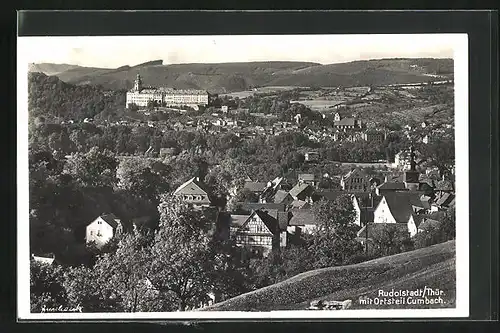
(99, 233)
(99, 222)
(91, 233)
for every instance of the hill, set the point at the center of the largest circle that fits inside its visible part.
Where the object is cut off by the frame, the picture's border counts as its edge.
(52, 98)
(229, 77)
(51, 69)
(433, 266)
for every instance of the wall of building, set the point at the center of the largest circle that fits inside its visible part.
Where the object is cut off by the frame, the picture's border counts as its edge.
(142, 99)
(99, 232)
(383, 214)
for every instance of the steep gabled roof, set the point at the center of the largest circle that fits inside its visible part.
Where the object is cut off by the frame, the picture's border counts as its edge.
(299, 204)
(192, 186)
(255, 186)
(445, 199)
(280, 196)
(238, 220)
(301, 217)
(392, 186)
(270, 222)
(251, 206)
(367, 215)
(299, 188)
(401, 204)
(353, 172)
(110, 219)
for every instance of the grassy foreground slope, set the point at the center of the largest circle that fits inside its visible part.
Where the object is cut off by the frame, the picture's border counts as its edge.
(433, 267)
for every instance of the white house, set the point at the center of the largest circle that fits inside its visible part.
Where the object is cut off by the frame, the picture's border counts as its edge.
(402, 208)
(102, 229)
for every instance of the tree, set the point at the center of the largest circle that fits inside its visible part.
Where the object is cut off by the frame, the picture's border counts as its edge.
(96, 168)
(391, 238)
(46, 287)
(441, 153)
(118, 282)
(334, 238)
(182, 261)
(143, 178)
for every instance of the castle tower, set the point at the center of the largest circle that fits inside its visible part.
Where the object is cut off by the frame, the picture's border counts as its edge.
(411, 177)
(138, 83)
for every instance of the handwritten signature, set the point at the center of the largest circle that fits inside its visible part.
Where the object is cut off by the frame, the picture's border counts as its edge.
(61, 308)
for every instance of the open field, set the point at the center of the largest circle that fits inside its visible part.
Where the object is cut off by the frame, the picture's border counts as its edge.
(320, 104)
(432, 267)
(260, 90)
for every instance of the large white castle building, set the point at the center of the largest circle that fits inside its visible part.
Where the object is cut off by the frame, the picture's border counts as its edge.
(140, 95)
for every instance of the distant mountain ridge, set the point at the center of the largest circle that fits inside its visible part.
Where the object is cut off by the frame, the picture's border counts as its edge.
(228, 77)
(50, 69)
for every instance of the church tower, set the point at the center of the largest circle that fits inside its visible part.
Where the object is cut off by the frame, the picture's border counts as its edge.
(336, 117)
(138, 83)
(411, 177)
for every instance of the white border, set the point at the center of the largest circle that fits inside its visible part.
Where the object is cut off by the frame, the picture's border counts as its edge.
(460, 46)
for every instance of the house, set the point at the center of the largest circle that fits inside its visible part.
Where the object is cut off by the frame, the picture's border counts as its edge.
(261, 232)
(271, 188)
(301, 221)
(443, 201)
(283, 197)
(255, 187)
(311, 156)
(364, 206)
(307, 178)
(302, 191)
(103, 229)
(398, 207)
(373, 136)
(265, 206)
(390, 186)
(402, 159)
(44, 260)
(194, 193)
(354, 180)
(345, 123)
(299, 204)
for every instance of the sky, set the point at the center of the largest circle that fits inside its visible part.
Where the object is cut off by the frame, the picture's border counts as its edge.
(116, 51)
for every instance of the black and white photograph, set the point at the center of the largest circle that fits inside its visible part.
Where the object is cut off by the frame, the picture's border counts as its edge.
(243, 176)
